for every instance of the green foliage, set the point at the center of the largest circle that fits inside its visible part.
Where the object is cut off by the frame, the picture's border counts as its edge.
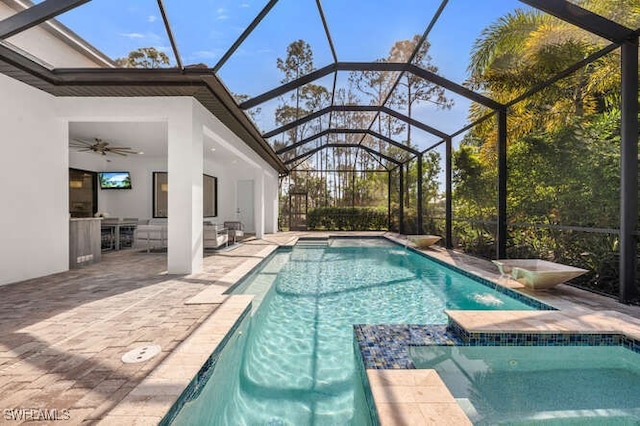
(347, 219)
(563, 148)
(144, 57)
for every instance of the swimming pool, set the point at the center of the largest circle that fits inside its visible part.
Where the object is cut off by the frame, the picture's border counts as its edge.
(568, 385)
(292, 361)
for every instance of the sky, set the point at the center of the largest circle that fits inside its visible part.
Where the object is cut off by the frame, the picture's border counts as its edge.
(362, 30)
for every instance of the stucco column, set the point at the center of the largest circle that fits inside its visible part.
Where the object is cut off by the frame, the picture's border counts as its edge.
(260, 201)
(271, 204)
(185, 167)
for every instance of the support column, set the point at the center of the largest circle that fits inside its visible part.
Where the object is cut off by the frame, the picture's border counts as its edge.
(419, 207)
(401, 200)
(448, 209)
(259, 202)
(389, 200)
(629, 171)
(271, 204)
(501, 231)
(185, 168)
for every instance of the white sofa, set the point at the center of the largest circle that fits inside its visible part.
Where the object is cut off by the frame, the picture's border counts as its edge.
(151, 236)
(154, 235)
(214, 235)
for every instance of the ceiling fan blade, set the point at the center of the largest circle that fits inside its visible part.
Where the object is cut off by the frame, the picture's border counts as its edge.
(80, 142)
(100, 146)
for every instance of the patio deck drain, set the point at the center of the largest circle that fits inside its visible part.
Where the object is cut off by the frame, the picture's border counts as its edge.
(141, 354)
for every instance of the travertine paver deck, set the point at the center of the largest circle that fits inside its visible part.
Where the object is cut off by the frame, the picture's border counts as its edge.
(414, 397)
(62, 336)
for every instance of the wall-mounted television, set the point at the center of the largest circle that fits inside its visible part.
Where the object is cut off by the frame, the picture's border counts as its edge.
(114, 180)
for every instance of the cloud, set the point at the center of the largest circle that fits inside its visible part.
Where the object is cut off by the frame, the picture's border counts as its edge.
(245, 5)
(222, 14)
(132, 35)
(207, 54)
(152, 18)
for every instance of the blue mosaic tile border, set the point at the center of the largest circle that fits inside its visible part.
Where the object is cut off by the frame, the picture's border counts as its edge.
(534, 339)
(196, 385)
(366, 387)
(386, 346)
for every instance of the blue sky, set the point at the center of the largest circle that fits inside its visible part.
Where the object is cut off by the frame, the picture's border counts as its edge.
(362, 30)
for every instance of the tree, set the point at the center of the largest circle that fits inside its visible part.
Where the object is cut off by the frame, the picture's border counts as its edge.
(417, 89)
(144, 57)
(253, 113)
(305, 99)
(375, 85)
(525, 48)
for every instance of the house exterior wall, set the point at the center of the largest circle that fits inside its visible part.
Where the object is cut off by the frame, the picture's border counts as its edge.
(34, 212)
(34, 217)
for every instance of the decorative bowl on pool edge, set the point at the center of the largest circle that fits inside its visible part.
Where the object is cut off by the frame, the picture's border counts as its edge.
(424, 241)
(537, 274)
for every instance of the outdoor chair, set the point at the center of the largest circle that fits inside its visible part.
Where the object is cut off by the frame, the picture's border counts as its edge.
(235, 229)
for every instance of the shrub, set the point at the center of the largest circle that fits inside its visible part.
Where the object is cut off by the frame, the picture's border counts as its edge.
(347, 219)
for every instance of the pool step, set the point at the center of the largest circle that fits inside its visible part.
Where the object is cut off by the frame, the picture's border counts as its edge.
(313, 242)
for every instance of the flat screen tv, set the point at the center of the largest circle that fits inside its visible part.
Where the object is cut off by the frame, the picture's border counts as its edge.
(115, 180)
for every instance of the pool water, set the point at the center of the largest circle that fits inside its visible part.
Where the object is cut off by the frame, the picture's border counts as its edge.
(560, 385)
(294, 362)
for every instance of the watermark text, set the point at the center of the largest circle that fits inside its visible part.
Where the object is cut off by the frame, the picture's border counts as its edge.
(36, 414)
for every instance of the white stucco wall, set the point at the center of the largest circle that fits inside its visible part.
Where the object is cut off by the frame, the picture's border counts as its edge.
(36, 158)
(250, 166)
(136, 202)
(34, 233)
(47, 47)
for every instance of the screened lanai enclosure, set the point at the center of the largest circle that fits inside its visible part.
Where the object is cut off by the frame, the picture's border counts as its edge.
(508, 127)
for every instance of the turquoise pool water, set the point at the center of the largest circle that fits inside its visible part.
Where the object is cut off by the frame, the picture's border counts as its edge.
(292, 362)
(550, 385)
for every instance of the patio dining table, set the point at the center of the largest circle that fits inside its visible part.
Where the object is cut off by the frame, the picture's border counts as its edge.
(114, 231)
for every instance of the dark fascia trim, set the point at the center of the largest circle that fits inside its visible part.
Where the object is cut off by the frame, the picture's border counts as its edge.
(356, 108)
(374, 66)
(344, 145)
(129, 76)
(347, 131)
(27, 65)
(582, 18)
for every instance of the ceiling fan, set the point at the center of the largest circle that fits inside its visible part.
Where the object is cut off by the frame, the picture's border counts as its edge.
(99, 146)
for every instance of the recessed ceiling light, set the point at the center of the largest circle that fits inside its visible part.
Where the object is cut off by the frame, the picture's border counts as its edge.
(213, 149)
(140, 153)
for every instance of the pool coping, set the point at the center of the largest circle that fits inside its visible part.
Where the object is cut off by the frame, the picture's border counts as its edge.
(400, 396)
